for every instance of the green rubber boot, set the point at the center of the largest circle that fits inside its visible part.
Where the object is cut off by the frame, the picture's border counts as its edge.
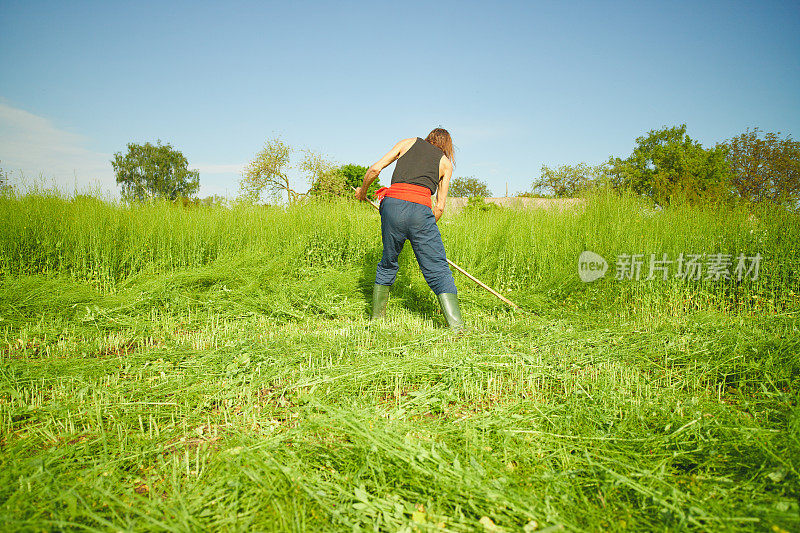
(451, 310)
(380, 295)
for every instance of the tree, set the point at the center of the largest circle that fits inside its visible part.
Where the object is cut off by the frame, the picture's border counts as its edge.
(4, 186)
(668, 163)
(765, 169)
(477, 203)
(149, 170)
(567, 181)
(267, 172)
(214, 200)
(322, 175)
(468, 188)
(354, 177)
(342, 180)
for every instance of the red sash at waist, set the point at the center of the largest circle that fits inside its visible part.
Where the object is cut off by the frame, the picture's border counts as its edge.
(406, 191)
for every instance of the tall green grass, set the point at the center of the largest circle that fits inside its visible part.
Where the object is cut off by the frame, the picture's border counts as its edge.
(522, 252)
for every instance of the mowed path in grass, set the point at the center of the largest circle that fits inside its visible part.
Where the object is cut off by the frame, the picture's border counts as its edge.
(249, 392)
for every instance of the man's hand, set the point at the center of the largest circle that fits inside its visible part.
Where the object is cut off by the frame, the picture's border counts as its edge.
(437, 213)
(361, 195)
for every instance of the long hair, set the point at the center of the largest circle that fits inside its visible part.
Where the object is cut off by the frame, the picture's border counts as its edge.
(440, 138)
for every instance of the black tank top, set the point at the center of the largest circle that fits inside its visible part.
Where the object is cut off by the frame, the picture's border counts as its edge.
(419, 165)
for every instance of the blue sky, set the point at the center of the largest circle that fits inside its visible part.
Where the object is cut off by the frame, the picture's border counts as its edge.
(518, 84)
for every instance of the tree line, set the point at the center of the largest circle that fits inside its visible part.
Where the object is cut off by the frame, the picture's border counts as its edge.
(666, 164)
(161, 171)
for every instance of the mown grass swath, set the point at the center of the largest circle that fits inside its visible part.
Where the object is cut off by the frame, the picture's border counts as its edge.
(213, 368)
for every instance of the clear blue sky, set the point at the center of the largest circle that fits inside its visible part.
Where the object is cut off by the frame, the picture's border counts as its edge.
(518, 84)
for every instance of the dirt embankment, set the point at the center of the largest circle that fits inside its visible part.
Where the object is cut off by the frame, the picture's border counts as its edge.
(454, 205)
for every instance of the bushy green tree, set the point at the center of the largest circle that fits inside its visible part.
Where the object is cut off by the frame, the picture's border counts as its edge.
(154, 170)
(667, 163)
(354, 177)
(468, 188)
(341, 180)
(479, 203)
(765, 168)
(566, 181)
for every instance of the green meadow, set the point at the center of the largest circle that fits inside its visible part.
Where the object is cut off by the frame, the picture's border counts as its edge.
(214, 368)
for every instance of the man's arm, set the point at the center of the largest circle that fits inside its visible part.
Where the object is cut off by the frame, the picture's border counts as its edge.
(446, 170)
(383, 162)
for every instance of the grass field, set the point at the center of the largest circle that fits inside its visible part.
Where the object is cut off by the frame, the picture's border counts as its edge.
(212, 368)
